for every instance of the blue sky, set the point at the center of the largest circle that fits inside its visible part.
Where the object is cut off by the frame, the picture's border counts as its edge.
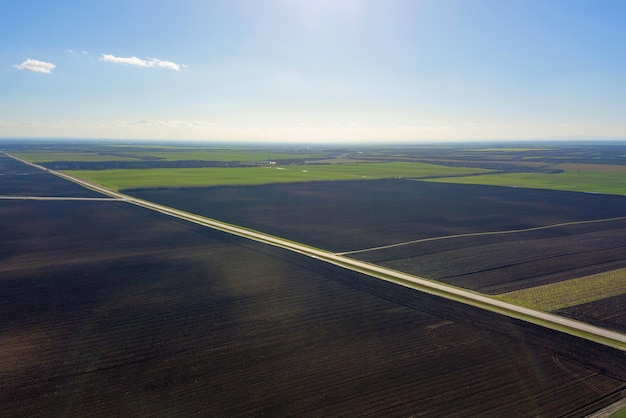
(313, 70)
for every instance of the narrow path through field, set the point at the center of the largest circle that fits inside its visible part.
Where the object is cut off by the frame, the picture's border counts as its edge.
(578, 377)
(476, 234)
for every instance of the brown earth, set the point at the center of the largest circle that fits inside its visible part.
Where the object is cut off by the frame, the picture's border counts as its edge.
(18, 179)
(502, 263)
(112, 310)
(345, 216)
(609, 312)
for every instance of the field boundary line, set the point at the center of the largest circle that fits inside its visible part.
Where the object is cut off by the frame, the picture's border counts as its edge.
(476, 234)
(562, 324)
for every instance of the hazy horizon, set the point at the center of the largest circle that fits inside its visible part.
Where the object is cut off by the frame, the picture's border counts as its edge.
(314, 71)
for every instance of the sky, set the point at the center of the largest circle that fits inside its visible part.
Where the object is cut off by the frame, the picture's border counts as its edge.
(313, 70)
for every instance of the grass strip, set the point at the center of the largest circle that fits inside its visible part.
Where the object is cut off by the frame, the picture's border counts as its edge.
(203, 177)
(165, 154)
(52, 156)
(559, 295)
(576, 181)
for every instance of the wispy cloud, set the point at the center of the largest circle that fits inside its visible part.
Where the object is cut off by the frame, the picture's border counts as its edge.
(138, 62)
(171, 124)
(36, 66)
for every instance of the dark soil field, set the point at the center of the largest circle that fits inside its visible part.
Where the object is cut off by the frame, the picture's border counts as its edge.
(346, 216)
(107, 309)
(501, 263)
(17, 179)
(609, 312)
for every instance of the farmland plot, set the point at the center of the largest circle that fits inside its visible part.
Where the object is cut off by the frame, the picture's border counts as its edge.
(502, 263)
(510, 239)
(23, 180)
(114, 310)
(609, 312)
(344, 216)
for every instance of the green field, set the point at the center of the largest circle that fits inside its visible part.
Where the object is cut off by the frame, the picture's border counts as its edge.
(583, 181)
(563, 294)
(117, 153)
(51, 156)
(199, 177)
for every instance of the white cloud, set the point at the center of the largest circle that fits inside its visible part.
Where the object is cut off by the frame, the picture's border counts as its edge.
(170, 124)
(150, 62)
(36, 66)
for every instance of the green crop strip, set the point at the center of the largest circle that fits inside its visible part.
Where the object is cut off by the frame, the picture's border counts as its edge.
(161, 154)
(225, 155)
(583, 181)
(202, 177)
(559, 295)
(38, 157)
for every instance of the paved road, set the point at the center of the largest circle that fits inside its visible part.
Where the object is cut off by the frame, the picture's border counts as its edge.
(548, 320)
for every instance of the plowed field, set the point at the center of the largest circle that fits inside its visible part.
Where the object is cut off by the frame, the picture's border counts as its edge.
(112, 310)
(609, 312)
(539, 236)
(23, 180)
(344, 216)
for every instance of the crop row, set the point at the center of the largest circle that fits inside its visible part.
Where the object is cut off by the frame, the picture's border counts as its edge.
(563, 294)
